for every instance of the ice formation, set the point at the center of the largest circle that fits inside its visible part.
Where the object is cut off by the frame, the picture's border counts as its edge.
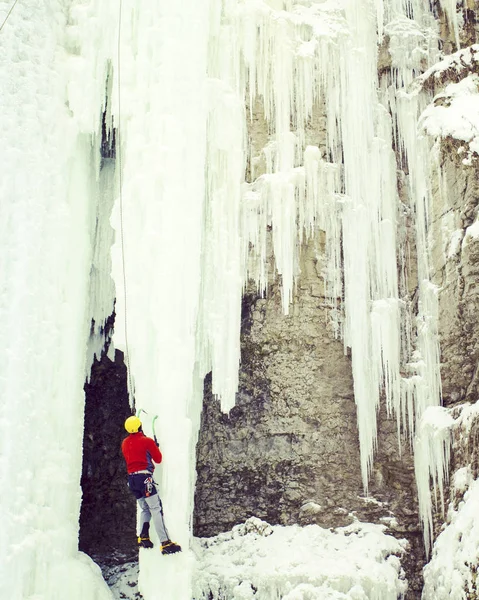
(450, 574)
(180, 82)
(433, 445)
(49, 195)
(451, 570)
(292, 62)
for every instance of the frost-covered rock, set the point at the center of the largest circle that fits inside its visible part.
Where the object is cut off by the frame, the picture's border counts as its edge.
(453, 112)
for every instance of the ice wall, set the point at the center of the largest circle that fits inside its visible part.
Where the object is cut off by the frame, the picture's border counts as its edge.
(163, 122)
(49, 193)
(181, 81)
(432, 447)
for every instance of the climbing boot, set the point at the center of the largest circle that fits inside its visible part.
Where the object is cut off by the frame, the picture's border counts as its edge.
(169, 547)
(144, 537)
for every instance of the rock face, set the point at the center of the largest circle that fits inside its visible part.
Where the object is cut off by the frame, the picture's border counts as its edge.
(456, 271)
(108, 511)
(288, 452)
(456, 266)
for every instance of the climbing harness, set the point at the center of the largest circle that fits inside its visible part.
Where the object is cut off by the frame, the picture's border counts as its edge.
(8, 14)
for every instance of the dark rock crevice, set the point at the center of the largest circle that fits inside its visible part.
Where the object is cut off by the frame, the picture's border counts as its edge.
(108, 511)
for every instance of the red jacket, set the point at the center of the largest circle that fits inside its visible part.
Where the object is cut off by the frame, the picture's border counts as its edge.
(140, 452)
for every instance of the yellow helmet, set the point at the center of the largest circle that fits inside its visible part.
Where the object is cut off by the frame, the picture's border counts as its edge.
(132, 424)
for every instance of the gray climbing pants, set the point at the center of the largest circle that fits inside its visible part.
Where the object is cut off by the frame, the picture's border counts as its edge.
(151, 508)
(141, 484)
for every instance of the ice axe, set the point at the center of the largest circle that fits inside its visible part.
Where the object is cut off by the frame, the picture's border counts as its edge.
(152, 423)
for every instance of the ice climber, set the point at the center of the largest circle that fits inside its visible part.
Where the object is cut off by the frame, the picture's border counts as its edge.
(140, 451)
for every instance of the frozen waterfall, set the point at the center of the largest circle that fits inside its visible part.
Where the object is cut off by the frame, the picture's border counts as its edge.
(182, 80)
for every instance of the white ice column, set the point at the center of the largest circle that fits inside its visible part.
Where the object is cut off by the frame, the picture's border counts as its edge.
(163, 133)
(424, 388)
(369, 230)
(223, 258)
(431, 463)
(416, 148)
(412, 43)
(45, 256)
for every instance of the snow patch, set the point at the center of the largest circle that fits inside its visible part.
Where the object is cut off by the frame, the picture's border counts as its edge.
(472, 233)
(454, 65)
(358, 562)
(451, 572)
(455, 243)
(462, 479)
(455, 113)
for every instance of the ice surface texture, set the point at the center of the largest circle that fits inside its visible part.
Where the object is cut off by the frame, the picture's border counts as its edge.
(194, 230)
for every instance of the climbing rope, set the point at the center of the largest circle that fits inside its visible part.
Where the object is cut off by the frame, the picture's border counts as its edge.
(8, 14)
(127, 353)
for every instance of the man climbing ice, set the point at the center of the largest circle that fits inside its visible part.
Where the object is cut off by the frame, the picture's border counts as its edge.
(140, 451)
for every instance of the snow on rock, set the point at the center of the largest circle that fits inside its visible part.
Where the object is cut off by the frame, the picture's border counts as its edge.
(452, 67)
(455, 113)
(461, 479)
(468, 413)
(451, 571)
(472, 233)
(432, 450)
(455, 241)
(310, 508)
(359, 562)
(123, 581)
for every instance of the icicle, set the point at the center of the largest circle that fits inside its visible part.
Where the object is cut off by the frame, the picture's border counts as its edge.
(450, 10)
(431, 460)
(318, 58)
(222, 263)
